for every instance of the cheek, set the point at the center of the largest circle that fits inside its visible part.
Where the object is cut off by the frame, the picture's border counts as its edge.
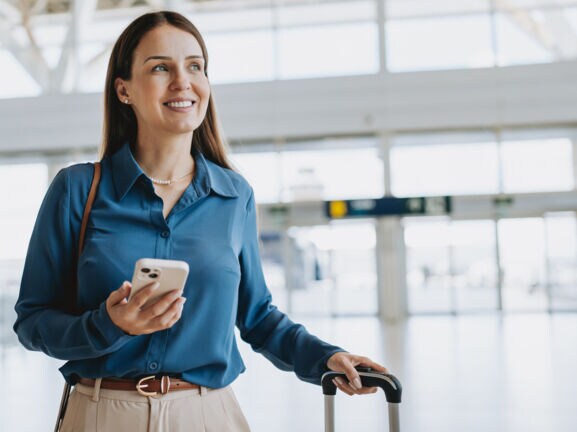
(205, 90)
(204, 93)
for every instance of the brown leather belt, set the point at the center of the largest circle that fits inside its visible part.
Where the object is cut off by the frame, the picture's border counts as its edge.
(147, 386)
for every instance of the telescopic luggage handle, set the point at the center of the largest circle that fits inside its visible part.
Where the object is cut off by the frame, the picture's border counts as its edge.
(369, 378)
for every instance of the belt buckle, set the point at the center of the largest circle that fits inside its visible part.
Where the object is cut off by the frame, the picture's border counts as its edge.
(141, 384)
(164, 385)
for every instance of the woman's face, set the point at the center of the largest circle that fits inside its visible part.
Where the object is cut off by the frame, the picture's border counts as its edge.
(168, 90)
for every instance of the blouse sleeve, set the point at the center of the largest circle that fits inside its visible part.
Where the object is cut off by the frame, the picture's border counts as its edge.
(41, 323)
(289, 346)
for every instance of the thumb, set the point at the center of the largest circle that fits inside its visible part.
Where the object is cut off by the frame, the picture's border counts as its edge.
(119, 295)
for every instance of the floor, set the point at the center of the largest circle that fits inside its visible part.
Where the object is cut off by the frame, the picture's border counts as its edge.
(479, 373)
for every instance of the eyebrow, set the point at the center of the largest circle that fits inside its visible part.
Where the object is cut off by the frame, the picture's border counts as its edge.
(159, 57)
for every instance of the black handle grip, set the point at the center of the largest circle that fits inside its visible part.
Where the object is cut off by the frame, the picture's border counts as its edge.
(369, 378)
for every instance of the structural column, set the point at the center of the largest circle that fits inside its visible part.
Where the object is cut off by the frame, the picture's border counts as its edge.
(391, 269)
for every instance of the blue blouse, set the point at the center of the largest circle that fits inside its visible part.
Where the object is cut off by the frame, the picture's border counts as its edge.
(212, 227)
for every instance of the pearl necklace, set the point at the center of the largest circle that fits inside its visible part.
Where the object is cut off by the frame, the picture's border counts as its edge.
(168, 182)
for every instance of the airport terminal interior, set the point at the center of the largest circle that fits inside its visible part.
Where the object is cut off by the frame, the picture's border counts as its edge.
(414, 163)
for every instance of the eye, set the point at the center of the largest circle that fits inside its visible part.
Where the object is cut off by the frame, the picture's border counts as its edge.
(160, 67)
(195, 67)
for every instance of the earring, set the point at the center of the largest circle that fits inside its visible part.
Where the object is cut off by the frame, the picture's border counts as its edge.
(125, 101)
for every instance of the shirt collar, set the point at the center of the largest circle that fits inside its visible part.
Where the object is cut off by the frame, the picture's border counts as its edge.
(213, 176)
(209, 176)
(125, 170)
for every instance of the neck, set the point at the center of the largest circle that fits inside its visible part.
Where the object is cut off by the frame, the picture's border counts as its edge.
(165, 158)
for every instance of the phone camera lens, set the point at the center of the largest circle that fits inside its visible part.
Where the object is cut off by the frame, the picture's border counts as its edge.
(145, 270)
(153, 275)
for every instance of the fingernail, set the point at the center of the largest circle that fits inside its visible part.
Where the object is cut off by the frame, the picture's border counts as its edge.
(182, 300)
(357, 383)
(155, 285)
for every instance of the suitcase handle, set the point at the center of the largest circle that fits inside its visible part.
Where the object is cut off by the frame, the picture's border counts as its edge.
(369, 378)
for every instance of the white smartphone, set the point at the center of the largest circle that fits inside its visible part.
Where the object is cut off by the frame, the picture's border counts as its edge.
(170, 274)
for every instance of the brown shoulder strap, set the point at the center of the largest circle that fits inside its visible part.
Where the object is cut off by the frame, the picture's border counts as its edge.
(71, 300)
(88, 206)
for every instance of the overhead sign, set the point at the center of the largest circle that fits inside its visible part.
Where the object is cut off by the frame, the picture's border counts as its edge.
(388, 206)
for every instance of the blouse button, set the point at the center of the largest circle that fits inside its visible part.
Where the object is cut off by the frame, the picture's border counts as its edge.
(152, 365)
(165, 234)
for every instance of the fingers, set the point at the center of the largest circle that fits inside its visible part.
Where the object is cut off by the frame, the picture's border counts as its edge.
(373, 365)
(347, 388)
(119, 295)
(172, 314)
(353, 362)
(161, 306)
(133, 318)
(345, 362)
(141, 297)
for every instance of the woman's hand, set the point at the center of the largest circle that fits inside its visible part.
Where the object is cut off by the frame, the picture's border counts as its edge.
(345, 362)
(132, 319)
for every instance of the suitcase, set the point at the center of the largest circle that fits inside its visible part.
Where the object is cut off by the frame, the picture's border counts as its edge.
(369, 378)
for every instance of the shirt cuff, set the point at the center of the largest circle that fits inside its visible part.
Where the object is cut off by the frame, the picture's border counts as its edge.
(110, 332)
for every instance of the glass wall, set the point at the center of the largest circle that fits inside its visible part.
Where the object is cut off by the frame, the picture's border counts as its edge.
(456, 34)
(519, 264)
(423, 35)
(482, 163)
(332, 269)
(262, 41)
(480, 263)
(537, 165)
(561, 263)
(522, 259)
(449, 168)
(343, 168)
(327, 269)
(22, 187)
(451, 265)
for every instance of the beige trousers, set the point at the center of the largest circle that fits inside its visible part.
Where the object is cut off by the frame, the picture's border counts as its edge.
(205, 410)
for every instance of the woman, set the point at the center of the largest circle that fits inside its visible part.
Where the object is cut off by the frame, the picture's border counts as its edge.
(167, 191)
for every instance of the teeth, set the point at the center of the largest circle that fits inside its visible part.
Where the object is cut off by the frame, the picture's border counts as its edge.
(182, 104)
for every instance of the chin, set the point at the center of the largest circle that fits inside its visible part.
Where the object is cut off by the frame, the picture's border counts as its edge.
(183, 128)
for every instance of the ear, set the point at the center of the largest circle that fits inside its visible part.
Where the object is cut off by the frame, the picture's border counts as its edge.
(121, 88)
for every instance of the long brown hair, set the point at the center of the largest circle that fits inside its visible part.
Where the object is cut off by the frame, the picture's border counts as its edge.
(119, 120)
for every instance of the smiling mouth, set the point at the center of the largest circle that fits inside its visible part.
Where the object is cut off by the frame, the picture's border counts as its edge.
(181, 104)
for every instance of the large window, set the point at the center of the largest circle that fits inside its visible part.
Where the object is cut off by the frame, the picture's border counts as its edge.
(331, 269)
(451, 265)
(453, 34)
(523, 263)
(343, 49)
(444, 165)
(290, 41)
(24, 196)
(16, 81)
(455, 42)
(520, 40)
(261, 41)
(466, 164)
(313, 170)
(535, 31)
(22, 187)
(561, 264)
(537, 165)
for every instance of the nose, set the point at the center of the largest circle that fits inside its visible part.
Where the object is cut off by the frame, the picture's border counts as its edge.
(180, 81)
